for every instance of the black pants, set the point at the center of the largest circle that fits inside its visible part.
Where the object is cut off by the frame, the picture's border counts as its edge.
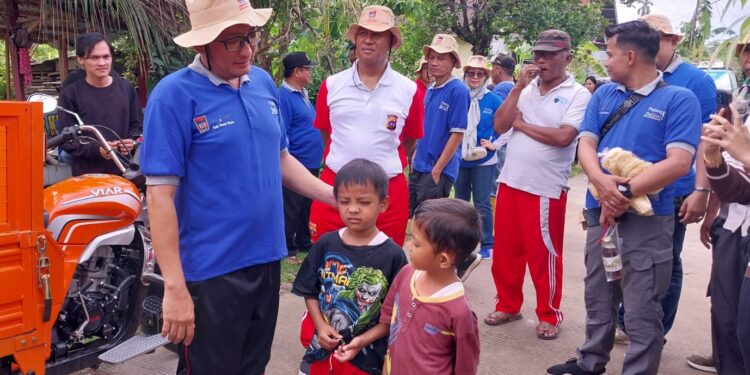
(727, 271)
(297, 220)
(235, 319)
(422, 187)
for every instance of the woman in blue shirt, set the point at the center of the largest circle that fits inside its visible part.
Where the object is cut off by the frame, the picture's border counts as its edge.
(478, 160)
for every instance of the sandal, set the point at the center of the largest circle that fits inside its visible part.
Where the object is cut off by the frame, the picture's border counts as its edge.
(497, 318)
(547, 331)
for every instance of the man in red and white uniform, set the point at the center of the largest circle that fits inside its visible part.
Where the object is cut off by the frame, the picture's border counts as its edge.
(369, 111)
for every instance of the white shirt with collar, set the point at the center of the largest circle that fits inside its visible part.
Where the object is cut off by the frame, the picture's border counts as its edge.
(533, 166)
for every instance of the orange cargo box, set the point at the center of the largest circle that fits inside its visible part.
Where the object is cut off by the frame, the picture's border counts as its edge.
(24, 335)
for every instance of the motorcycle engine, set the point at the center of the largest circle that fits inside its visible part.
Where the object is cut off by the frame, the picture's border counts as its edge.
(99, 297)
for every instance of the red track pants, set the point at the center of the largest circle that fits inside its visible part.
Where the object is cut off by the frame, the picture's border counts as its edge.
(529, 230)
(324, 218)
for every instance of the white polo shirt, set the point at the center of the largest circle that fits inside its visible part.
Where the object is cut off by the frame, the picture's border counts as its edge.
(533, 166)
(369, 124)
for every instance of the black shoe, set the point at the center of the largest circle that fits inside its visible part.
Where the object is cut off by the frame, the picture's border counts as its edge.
(571, 368)
(464, 269)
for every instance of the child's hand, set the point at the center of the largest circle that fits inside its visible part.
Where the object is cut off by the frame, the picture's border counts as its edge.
(347, 352)
(486, 143)
(328, 337)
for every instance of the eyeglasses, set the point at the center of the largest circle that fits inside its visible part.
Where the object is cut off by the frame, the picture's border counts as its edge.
(476, 74)
(546, 54)
(237, 43)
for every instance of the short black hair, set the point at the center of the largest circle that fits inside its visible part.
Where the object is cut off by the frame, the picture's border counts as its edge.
(364, 173)
(450, 225)
(88, 41)
(637, 35)
(591, 78)
(288, 72)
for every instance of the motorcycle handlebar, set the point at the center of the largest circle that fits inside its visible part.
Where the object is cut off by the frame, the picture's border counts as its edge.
(56, 141)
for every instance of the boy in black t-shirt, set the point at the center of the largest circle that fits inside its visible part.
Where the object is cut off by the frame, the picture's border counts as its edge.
(346, 276)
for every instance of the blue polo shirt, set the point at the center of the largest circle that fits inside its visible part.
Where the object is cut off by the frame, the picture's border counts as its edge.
(502, 89)
(298, 113)
(446, 111)
(224, 145)
(486, 128)
(682, 74)
(667, 117)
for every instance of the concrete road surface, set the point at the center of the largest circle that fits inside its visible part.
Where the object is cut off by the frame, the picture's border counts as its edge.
(512, 349)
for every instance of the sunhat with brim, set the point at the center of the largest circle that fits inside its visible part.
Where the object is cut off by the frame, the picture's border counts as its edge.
(378, 19)
(743, 46)
(661, 24)
(208, 18)
(422, 63)
(444, 43)
(478, 62)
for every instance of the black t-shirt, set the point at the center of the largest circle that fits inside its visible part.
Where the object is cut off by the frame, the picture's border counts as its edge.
(350, 283)
(114, 107)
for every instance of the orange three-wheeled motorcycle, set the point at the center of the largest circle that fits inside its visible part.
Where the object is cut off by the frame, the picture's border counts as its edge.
(75, 258)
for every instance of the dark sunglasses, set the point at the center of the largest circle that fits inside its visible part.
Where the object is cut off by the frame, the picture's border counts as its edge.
(476, 74)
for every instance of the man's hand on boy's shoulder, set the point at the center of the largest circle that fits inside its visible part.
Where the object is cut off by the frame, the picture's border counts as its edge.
(328, 337)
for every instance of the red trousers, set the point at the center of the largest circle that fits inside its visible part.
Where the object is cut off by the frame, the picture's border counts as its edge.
(324, 218)
(529, 230)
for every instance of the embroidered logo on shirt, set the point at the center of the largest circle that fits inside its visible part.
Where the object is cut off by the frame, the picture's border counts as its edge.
(201, 122)
(487, 111)
(654, 114)
(274, 109)
(243, 4)
(222, 122)
(391, 121)
(444, 106)
(561, 100)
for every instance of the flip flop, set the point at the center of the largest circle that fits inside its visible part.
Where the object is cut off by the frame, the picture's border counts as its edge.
(293, 260)
(497, 318)
(546, 331)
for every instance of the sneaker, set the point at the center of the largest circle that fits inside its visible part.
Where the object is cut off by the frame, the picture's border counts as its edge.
(464, 269)
(486, 253)
(571, 368)
(701, 362)
(621, 338)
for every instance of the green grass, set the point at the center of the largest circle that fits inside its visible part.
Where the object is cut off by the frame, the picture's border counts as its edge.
(289, 271)
(576, 170)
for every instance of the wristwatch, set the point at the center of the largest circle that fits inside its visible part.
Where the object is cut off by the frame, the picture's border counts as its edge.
(624, 189)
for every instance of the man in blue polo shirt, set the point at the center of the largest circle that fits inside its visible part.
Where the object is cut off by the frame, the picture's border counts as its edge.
(305, 144)
(436, 160)
(661, 128)
(215, 156)
(691, 191)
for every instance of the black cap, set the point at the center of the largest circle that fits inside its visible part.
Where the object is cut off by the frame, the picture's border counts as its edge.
(505, 61)
(296, 60)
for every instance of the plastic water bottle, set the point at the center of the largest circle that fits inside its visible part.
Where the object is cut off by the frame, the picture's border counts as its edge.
(611, 256)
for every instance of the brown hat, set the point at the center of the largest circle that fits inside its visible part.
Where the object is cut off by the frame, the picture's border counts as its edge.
(208, 18)
(505, 61)
(444, 43)
(478, 61)
(743, 45)
(378, 19)
(552, 40)
(661, 24)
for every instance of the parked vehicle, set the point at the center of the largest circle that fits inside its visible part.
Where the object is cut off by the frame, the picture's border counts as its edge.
(80, 288)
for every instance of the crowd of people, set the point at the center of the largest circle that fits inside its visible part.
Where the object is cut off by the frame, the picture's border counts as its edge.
(235, 187)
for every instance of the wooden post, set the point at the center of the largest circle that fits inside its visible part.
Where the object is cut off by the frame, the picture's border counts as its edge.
(62, 60)
(11, 13)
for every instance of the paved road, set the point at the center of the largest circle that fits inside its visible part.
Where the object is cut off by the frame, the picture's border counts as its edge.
(513, 349)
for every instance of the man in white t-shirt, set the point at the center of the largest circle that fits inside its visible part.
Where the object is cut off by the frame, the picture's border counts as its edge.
(545, 109)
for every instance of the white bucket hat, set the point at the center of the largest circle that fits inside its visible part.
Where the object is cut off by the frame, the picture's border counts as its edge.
(376, 18)
(444, 43)
(661, 24)
(479, 62)
(208, 18)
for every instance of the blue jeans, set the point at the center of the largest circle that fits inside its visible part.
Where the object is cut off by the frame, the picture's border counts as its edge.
(477, 182)
(670, 300)
(500, 163)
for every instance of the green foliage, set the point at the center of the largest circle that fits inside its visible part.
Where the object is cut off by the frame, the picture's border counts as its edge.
(3, 71)
(43, 52)
(584, 63)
